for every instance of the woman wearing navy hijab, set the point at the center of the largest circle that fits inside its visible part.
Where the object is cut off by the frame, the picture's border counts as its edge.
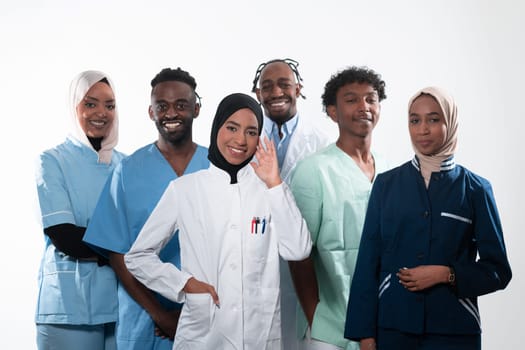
(234, 220)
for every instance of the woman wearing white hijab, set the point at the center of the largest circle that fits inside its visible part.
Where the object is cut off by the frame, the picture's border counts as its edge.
(77, 301)
(432, 243)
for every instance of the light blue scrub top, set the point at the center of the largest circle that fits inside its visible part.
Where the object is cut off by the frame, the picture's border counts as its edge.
(129, 197)
(332, 193)
(71, 291)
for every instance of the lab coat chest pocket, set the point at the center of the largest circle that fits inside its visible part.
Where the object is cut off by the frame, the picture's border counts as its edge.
(258, 236)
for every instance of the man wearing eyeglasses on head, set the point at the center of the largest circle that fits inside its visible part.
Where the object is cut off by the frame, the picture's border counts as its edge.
(277, 84)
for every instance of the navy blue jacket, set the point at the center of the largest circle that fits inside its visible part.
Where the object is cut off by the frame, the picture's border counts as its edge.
(455, 223)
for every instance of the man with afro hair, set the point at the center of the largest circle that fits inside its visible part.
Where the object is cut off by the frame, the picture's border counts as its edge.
(331, 188)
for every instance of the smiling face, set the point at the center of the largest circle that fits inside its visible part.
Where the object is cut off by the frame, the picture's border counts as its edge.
(356, 110)
(278, 92)
(173, 108)
(96, 111)
(237, 138)
(426, 125)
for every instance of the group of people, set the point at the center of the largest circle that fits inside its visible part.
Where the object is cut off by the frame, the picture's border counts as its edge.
(273, 236)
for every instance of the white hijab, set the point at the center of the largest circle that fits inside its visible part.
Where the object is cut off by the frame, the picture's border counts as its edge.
(432, 163)
(77, 91)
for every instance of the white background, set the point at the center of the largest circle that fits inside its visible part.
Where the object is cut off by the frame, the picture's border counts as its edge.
(473, 48)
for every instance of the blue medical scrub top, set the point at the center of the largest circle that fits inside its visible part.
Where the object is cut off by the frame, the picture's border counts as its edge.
(71, 291)
(128, 198)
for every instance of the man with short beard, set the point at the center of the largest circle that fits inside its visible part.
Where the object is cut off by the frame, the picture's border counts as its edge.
(146, 319)
(277, 84)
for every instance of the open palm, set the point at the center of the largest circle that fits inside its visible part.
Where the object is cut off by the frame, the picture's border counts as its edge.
(267, 167)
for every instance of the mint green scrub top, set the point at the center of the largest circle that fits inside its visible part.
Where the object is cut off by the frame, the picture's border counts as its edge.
(332, 193)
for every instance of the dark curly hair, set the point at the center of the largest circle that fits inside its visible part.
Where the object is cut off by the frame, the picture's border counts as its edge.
(168, 74)
(351, 75)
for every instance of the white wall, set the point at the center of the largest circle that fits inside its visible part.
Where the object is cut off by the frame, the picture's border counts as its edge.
(475, 49)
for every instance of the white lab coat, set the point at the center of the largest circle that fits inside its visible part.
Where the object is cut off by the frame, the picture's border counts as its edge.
(222, 245)
(305, 140)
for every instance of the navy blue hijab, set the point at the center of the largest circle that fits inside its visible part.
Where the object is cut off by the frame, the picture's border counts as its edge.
(229, 105)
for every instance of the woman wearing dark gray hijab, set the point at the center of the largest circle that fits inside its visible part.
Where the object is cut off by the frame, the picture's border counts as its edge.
(226, 108)
(234, 220)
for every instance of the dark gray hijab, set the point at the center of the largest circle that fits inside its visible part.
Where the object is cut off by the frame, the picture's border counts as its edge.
(229, 105)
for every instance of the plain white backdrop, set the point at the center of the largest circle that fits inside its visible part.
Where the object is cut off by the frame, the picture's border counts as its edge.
(473, 48)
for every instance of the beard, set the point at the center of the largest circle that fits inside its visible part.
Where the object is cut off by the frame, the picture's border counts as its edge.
(176, 136)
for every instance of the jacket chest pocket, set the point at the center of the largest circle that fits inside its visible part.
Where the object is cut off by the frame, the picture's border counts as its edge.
(456, 230)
